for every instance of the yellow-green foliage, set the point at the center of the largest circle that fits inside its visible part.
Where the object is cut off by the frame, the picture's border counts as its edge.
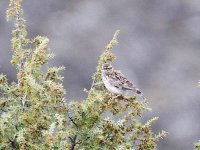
(36, 116)
(197, 145)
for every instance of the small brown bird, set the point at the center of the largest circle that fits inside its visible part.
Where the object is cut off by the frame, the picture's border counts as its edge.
(116, 83)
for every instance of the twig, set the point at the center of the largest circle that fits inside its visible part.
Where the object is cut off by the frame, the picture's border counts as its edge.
(73, 140)
(91, 87)
(73, 122)
(13, 143)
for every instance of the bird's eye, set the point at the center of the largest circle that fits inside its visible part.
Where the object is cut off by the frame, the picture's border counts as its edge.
(107, 66)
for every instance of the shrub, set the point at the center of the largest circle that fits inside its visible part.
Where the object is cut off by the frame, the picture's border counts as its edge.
(36, 115)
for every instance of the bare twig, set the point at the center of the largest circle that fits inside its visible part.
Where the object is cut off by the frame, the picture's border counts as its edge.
(13, 143)
(73, 141)
(73, 122)
(74, 138)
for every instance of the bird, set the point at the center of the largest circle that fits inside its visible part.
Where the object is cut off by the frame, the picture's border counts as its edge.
(116, 83)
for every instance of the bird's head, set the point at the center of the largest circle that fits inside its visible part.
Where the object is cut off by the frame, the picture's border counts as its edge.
(107, 67)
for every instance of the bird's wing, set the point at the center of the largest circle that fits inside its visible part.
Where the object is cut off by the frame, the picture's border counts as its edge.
(125, 82)
(113, 80)
(119, 80)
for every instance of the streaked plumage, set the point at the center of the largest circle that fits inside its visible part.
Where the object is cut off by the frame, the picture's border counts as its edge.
(117, 83)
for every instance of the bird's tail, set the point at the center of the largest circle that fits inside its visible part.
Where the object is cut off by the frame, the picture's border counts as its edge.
(140, 93)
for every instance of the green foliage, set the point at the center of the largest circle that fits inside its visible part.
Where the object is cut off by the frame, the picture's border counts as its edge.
(35, 115)
(197, 145)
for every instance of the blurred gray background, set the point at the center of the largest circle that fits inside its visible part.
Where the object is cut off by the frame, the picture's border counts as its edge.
(159, 49)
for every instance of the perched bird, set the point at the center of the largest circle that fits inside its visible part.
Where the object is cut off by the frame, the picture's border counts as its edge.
(116, 83)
